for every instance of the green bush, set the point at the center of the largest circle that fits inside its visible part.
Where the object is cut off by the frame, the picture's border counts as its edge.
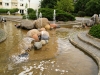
(3, 11)
(95, 31)
(32, 16)
(30, 10)
(48, 13)
(12, 11)
(81, 13)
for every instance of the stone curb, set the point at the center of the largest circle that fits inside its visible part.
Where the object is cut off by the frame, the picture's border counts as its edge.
(4, 35)
(93, 37)
(88, 42)
(97, 59)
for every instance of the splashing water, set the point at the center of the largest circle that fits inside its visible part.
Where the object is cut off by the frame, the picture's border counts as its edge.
(23, 56)
(40, 16)
(37, 13)
(54, 16)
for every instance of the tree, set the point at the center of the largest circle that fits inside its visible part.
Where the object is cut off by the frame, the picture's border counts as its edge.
(93, 7)
(80, 5)
(65, 5)
(48, 3)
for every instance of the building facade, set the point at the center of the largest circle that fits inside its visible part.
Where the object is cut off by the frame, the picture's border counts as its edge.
(20, 4)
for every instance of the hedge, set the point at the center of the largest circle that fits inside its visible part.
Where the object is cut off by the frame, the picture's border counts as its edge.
(95, 31)
(48, 13)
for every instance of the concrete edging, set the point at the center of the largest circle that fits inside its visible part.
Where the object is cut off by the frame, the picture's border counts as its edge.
(88, 42)
(91, 54)
(93, 37)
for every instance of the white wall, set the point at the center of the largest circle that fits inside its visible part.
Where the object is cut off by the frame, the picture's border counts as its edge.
(4, 4)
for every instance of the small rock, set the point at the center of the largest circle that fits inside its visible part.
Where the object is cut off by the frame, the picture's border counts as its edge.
(37, 45)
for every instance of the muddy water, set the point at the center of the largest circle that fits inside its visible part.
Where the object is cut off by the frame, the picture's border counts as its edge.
(65, 60)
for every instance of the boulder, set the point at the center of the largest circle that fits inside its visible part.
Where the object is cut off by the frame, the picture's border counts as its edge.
(26, 43)
(95, 18)
(47, 27)
(37, 45)
(30, 33)
(35, 37)
(27, 24)
(53, 26)
(41, 22)
(44, 42)
(42, 29)
(44, 35)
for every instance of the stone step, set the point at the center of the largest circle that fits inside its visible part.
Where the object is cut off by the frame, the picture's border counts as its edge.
(83, 37)
(86, 47)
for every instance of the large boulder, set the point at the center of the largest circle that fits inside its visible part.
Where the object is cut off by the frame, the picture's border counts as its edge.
(95, 18)
(30, 33)
(27, 24)
(41, 22)
(44, 35)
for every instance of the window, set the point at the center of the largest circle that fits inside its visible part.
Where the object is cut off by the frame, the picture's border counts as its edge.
(14, 4)
(6, 4)
(0, 3)
(21, 4)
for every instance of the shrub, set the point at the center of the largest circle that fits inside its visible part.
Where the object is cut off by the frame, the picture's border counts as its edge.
(3, 11)
(95, 31)
(30, 10)
(32, 16)
(48, 13)
(14, 10)
(81, 13)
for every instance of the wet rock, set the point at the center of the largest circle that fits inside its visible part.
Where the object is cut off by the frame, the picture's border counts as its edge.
(44, 42)
(35, 37)
(26, 43)
(54, 26)
(47, 27)
(23, 54)
(37, 45)
(44, 35)
(26, 24)
(95, 18)
(30, 33)
(42, 29)
(41, 22)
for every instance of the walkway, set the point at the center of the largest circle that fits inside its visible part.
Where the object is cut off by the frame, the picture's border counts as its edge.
(90, 45)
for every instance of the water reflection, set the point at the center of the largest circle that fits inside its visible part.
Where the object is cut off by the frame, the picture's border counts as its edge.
(68, 61)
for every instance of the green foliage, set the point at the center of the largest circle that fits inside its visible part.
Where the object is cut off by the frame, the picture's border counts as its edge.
(93, 7)
(14, 10)
(81, 13)
(30, 10)
(65, 17)
(80, 5)
(95, 31)
(3, 11)
(48, 13)
(65, 5)
(48, 3)
(32, 16)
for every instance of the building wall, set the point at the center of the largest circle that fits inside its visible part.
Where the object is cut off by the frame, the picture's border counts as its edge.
(20, 4)
(1, 4)
(6, 4)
